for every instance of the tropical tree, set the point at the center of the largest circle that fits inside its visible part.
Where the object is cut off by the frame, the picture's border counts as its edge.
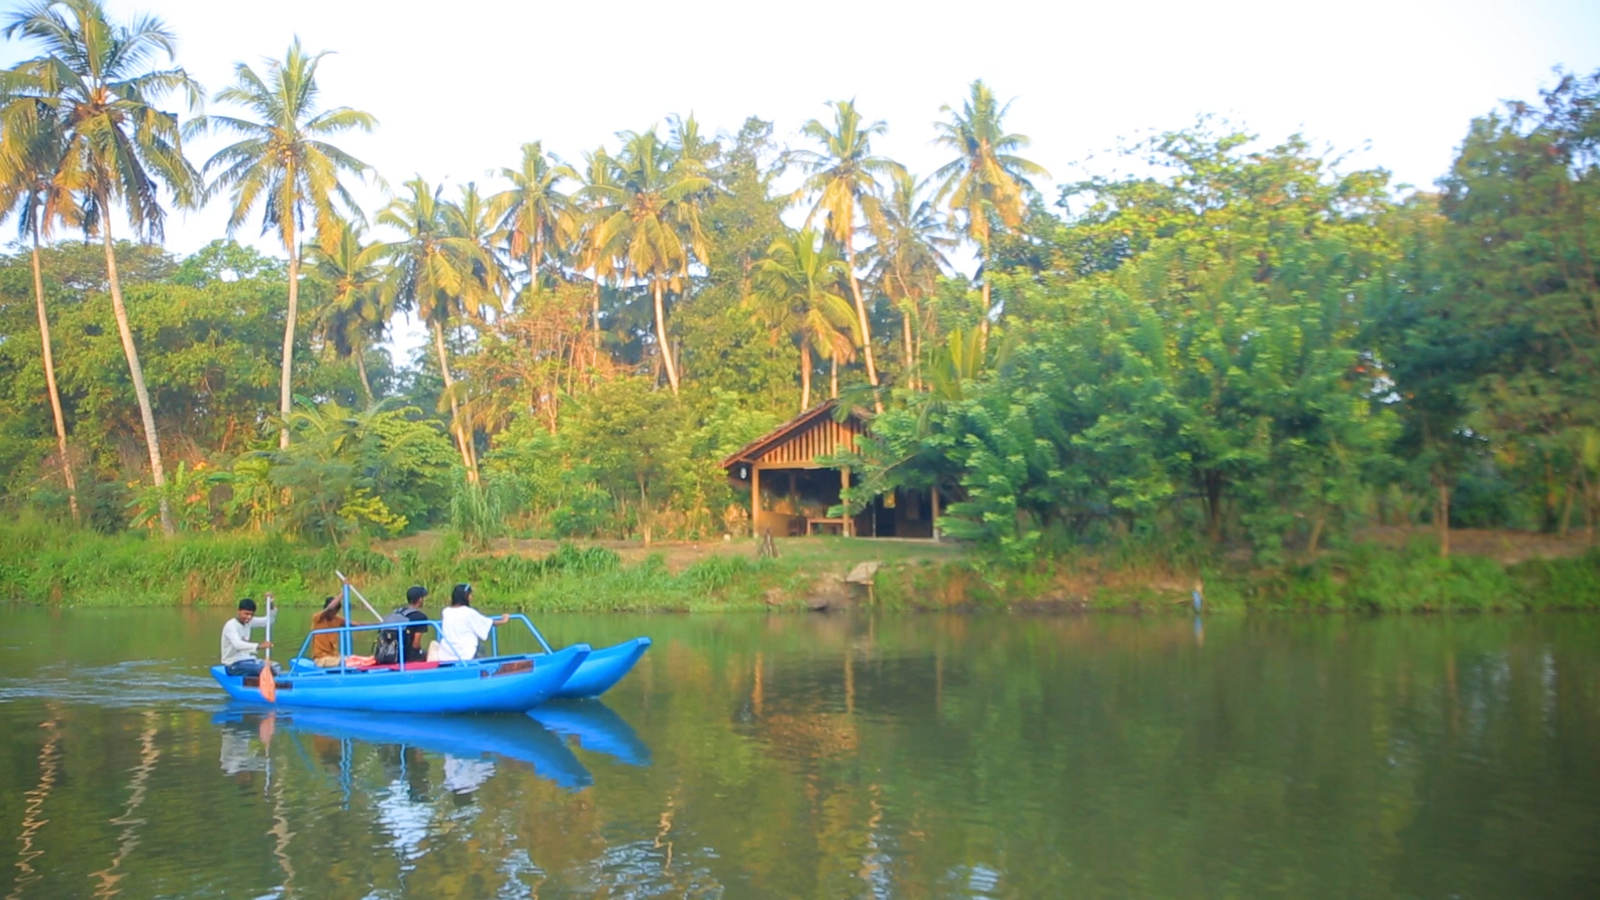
(590, 213)
(844, 178)
(654, 222)
(31, 145)
(118, 148)
(533, 212)
(987, 183)
(908, 257)
(284, 162)
(442, 276)
(358, 312)
(795, 293)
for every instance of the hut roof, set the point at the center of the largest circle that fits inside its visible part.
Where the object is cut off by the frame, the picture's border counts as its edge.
(754, 450)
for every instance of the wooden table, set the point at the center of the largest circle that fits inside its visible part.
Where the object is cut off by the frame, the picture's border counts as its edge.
(811, 523)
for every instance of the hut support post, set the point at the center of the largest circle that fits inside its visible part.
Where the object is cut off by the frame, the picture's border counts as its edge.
(849, 528)
(755, 500)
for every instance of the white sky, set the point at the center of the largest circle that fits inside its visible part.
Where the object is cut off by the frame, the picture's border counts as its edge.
(458, 85)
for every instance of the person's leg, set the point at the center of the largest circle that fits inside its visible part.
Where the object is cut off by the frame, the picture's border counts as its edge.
(246, 667)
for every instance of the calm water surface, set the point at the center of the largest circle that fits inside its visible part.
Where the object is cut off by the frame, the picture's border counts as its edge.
(827, 757)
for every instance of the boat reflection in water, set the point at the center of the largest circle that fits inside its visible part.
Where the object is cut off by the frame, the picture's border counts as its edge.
(596, 728)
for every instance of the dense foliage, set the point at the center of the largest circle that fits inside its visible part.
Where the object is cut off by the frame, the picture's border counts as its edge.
(1245, 346)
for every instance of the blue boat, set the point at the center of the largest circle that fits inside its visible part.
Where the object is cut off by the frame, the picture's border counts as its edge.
(603, 669)
(510, 683)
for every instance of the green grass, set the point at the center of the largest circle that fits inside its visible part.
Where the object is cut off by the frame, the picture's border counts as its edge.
(47, 564)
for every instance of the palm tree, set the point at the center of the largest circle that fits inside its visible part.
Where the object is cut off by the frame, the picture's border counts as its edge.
(117, 146)
(599, 257)
(283, 161)
(436, 273)
(653, 222)
(844, 178)
(31, 145)
(908, 257)
(533, 212)
(795, 293)
(358, 312)
(986, 183)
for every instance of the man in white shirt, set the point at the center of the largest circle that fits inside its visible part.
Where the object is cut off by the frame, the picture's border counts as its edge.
(238, 651)
(461, 628)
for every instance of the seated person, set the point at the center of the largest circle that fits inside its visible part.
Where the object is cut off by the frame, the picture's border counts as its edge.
(461, 628)
(395, 643)
(414, 634)
(325, 644)
(238, 651)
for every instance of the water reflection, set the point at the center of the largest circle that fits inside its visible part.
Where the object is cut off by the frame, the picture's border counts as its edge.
(596, 729)
(469, 744)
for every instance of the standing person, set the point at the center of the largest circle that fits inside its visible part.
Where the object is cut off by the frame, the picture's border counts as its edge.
(325, 644)
(461, 627)
(238, 651)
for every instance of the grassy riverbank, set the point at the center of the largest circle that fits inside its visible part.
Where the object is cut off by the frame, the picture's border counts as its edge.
(47, 565)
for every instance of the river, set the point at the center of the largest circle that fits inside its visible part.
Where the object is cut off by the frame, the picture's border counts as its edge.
(831, 756)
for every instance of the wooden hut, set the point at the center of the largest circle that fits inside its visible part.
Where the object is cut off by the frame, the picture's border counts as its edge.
(791, 491)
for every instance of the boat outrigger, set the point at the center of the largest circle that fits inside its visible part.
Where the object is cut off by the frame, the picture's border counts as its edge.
(514, 682)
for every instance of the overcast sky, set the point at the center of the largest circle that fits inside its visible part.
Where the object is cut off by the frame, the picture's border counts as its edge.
(458, 85)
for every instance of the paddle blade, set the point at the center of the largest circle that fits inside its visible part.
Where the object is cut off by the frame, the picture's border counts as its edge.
(268, 685)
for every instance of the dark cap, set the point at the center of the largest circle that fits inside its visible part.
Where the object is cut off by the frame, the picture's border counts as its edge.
(248, 604)
(415, 593)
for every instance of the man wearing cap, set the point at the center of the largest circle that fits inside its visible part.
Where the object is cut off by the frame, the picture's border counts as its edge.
(410, 646)
(238, 651)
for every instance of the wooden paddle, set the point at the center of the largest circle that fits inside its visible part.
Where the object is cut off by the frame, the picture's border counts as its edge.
(268, 685)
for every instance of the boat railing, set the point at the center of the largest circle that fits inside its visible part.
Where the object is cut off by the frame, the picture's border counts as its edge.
(346, 632)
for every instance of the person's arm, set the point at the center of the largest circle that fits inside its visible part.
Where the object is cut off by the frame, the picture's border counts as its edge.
(481, 625)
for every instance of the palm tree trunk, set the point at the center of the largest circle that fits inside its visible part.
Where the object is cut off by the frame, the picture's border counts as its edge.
(905, 336)
(1442, 519)
(805, 375)
(147, 414)
(662, 347)
(534, 258)
(455, 407)
(833, 378)
(285, 389)
(595, 310)
(361, 368)
(50, 377)
(861, 316)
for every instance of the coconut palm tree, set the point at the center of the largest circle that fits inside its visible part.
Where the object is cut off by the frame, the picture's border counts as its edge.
(31, 145)
(795, 293)
(986, 184)
(908, 257)
(436, 273)
(533, 212)
(284, 162)
(359, 311)
(844, 178)
(118, 148)
(652, 221)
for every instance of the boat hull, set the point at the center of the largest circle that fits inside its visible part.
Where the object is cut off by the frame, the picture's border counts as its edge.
(602, 669)
(501, 684)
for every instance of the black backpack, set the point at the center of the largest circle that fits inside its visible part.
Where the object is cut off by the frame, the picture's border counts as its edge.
(387, 651)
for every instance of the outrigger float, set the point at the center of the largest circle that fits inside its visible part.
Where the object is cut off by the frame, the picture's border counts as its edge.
(515, 682)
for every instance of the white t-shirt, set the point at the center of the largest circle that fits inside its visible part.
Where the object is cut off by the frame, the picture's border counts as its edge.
(460, 630)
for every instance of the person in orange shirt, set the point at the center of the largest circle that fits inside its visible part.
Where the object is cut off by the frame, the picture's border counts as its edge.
(325, 644)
